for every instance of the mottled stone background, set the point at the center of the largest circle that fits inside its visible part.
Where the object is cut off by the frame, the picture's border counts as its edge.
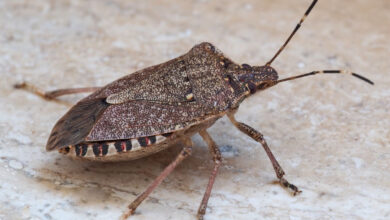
(330, 133)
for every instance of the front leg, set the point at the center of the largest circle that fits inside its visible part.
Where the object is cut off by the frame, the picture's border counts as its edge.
(257, 136)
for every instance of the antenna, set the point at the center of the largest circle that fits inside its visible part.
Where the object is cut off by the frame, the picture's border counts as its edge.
(327, 72)
(294, 31)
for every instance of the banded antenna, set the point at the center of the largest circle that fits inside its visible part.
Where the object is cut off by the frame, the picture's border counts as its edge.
(292, 34)
(313, 72)
(327, 72)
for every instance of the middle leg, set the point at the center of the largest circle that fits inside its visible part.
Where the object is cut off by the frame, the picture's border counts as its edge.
(217, 158)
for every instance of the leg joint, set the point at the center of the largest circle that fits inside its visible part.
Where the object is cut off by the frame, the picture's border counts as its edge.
(187, 151)
(217, 159)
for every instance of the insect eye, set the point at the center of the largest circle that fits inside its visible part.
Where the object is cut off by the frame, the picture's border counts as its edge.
(251, 87)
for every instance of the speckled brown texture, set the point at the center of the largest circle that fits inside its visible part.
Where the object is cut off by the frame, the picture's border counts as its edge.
(164, 98)
(330, 133)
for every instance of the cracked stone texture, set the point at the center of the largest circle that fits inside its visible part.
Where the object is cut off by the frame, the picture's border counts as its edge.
(330, 132)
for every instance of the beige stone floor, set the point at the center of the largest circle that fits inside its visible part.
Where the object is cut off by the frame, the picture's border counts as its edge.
(330, 133)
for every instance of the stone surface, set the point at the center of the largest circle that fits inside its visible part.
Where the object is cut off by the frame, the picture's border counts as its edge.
(330, 133)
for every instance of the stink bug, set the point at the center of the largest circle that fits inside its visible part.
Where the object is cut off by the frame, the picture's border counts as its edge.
(153, 108)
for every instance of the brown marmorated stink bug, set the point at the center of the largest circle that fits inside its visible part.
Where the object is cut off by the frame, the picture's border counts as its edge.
(151, 109)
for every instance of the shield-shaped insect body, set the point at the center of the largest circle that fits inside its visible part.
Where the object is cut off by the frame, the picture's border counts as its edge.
(154, 108)
(147, 111)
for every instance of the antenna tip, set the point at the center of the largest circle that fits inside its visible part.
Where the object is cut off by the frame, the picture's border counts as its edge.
(363, 78)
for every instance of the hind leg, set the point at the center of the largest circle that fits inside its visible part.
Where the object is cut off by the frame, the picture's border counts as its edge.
(185, 152)
(55, 93)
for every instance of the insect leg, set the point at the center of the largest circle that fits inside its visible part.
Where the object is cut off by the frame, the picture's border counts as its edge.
(55, 93)
(257, 136)
(217, 158)
(185, 152)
